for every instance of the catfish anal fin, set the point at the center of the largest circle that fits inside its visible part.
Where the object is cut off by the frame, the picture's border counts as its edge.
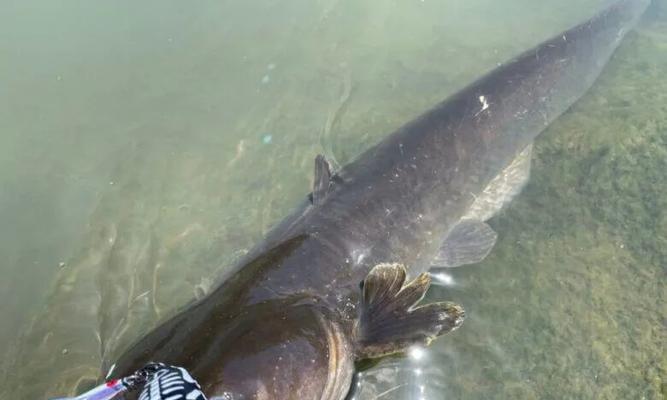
(469, 242)
(503, 188)
(390, 320)
(322, 179)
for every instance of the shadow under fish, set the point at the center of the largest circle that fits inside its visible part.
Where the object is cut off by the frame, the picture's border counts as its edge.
(342, 278)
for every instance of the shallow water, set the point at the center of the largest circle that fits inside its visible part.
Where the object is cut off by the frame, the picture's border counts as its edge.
(146, 146)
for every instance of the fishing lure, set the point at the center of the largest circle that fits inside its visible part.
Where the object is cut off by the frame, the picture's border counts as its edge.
(108, 391)
(159, 381)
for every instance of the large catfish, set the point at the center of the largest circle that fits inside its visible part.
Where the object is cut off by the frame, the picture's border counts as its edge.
(340, 280)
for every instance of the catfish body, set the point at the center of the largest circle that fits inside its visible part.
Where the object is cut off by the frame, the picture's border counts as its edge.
(290, 320)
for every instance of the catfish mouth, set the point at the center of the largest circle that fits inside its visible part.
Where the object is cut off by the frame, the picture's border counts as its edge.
(341, 364)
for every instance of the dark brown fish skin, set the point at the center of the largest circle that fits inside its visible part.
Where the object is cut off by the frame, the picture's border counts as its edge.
(280, 325)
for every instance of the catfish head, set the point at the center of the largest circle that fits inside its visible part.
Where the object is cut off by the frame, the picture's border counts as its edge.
(296, 347)
(282, 352)
(304, 350)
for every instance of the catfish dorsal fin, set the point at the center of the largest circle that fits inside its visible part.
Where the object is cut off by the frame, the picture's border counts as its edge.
(322, 179)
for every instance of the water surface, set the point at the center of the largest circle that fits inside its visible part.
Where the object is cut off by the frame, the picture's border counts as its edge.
(144, 147)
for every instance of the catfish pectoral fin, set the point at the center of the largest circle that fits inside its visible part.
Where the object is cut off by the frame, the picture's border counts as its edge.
(390, 323)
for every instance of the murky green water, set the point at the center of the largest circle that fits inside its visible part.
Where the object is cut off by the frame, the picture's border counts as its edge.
(145, 146)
